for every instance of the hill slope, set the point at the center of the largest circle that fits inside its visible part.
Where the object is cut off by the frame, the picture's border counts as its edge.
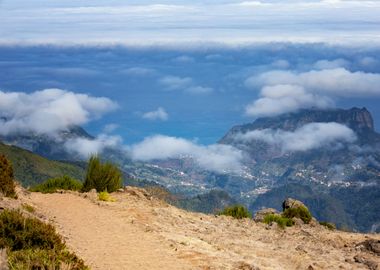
(30, 168)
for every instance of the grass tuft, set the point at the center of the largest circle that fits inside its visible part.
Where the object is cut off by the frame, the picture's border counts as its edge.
(106, 197)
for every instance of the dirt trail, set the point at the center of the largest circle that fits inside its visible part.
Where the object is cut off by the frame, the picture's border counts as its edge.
(103, 237)
(140, 232)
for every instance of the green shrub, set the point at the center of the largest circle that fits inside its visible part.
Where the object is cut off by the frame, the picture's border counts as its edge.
(102, 176)
(298, 212)
(105, 196)
(18, 232)
(7, 185)
(280, 220)
(328, 225)
(33, 259)
(236, 211)
(28, 208)
(60, 183)
(32, 244)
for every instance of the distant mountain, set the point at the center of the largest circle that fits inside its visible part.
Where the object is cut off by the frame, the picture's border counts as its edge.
(30, 168)
(329, 178)
(51, 147)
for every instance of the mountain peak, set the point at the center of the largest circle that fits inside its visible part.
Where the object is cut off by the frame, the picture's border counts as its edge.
(358, 119)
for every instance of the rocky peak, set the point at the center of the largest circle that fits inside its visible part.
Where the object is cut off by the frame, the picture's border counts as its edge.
(358, 119)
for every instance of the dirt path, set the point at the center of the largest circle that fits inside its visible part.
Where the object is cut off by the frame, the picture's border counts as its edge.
(104, 237)
(140, 232)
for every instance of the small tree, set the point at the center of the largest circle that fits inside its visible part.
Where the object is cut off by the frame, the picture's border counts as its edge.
(102, 176)
(7, 185)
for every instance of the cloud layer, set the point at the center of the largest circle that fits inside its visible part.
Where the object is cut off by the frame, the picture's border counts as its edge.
(146, 22)
(308, 137)
(49, 111)
(219, 158)
(338, 82)
(284, 98)
(286, 91)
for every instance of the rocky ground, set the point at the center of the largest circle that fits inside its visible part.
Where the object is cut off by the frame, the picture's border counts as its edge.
(141, 232)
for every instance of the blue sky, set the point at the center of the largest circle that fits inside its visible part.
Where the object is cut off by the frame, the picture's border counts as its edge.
(186, 69)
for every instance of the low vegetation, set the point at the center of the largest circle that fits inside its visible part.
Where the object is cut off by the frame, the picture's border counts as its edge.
(298, 212)
(280, 220)
(31, 169)
(28, 208)
(102, 176)
(106, 197)
(328, 225)
(236, 211)
(7, 184)
(32, 244)
(59, 183)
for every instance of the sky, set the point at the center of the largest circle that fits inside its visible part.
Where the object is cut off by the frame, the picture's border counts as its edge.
(147, 73)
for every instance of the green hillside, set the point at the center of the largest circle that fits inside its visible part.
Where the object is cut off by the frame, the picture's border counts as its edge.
(31, 169)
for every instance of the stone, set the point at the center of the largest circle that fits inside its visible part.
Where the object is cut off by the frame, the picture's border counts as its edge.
(370, 245)
(259, 216)
(369, 263)
(292, 203)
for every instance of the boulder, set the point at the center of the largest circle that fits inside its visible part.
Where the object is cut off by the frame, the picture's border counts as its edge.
(292, 203)
(370, 245)
(259, 216)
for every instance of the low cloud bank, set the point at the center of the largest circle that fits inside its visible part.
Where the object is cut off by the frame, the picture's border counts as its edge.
(284, 98)
(286, 91)
(85, 147)
(308, 137)
(49, 111)
(218, 158)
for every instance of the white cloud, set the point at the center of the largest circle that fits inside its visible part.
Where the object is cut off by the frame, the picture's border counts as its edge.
(279, 99)
(338, 82)
(87, 147)
(308, 137)
(184, 59)
(49, 111)
(219, 158)
(138, 71)
(159, 114)
(175, 83)
(109, 128)
(331, 64)
(199, 90)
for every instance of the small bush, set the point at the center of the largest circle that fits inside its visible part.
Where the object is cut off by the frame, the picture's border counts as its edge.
(280, 220)
(18, 232)
(328, 225)
(102, 176)
(28, 208)
(105, 196)
(7, 185)
(236, 211)
(60, 183)
(298, 212)
(32, 244)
